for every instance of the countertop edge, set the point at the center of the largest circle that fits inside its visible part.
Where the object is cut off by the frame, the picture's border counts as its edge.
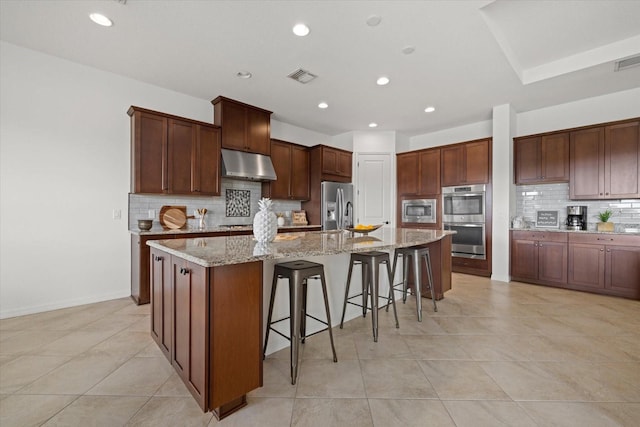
(556, 230)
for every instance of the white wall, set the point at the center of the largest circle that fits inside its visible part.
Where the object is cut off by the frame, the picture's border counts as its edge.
(451, 136)
(297, 135)
(64, 149)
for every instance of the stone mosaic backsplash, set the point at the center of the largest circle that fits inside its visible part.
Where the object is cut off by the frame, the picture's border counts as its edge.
(530, 198)
(237, 204)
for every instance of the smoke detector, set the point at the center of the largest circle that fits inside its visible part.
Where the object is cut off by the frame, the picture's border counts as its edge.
(302, 76)
(623, 64)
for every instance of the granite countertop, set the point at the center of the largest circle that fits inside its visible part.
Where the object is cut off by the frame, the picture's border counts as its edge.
(560, 230)
(213, 229)
(215, 251)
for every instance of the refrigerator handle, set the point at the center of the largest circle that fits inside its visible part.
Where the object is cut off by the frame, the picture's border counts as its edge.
(339, 209)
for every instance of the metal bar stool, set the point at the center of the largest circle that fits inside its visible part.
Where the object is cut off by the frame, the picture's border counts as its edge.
(370, 262)
(298, 272)
(415, 254)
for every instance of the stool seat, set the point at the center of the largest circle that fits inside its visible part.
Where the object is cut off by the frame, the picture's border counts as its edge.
(415, 254)
(298, 272)
(370, 262)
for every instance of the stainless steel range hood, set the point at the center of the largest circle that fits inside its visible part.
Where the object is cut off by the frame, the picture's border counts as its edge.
(247, 166)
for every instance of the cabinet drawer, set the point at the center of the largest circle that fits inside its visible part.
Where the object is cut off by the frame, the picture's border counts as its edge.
(604, 239)
(543, 236)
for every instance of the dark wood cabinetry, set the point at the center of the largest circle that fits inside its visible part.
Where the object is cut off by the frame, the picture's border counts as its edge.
(605, 162)
(291, 163)
(604, 263)
(244, 127)
(542, 159)
(539, 256)
(162, 301)
(601, 263)
(466, 163)
(418, 172)
(211, 331)
(173, 155)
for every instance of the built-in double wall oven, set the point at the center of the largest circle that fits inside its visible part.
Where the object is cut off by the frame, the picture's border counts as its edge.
(463, 211)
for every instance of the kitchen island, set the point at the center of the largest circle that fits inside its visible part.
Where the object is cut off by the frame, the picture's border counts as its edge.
(207, 300)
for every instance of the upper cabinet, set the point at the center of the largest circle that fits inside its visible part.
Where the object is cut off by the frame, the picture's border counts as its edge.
(173, 155)
(244, 127)
(334, 163)
(605, 162)
(291, 163)
(466, 163)
(542, 159)
(418, 172)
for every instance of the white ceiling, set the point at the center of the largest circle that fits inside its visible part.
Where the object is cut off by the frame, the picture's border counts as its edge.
(469, 55)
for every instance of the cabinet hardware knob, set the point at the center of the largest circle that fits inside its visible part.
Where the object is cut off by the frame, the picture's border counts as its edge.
(607, 194)
(601, 250)
(608, 250)
(158, 258)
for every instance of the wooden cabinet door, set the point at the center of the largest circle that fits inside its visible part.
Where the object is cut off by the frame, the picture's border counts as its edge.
(524, 259)
(161, 301)
(258, 131)
(281, 158)
(344, 164)
(452, 164)
(527, 160)
(329, 161)
(476, 162)
(407, 172)
(586, 164)
(181, 143)
(623, 270)
(586, 265)
(149, 153)
(233, 124)
(206, 162)
(622, 161)
(190, 339)
(429, 167)
(554, 157)
(299, 173)
(552, 262)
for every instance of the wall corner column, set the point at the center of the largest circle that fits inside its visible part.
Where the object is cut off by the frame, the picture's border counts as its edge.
(504, 190)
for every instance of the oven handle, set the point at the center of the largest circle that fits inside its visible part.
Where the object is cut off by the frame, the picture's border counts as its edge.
(454, 224)
(452, 195)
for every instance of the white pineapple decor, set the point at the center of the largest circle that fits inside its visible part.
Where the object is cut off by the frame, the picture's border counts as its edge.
(265, 223)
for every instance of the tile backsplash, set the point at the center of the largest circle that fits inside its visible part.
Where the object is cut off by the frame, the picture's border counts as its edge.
(237, 204)
(530, 198)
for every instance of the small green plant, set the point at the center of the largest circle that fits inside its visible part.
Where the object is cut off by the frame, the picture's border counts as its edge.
(604, 216)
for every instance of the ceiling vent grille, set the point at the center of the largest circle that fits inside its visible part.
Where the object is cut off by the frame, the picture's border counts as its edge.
(302, 76)
(634, 61)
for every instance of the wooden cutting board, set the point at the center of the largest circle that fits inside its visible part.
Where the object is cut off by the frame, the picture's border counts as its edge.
(173, 217)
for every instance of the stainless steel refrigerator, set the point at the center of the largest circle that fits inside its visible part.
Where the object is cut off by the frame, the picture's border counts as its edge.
(337, 205)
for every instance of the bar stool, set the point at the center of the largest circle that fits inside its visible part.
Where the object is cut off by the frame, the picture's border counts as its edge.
(415, 254)
(370, 262)
(298, 272)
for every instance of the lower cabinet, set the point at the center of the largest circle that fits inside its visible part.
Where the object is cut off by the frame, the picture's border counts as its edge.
(208, 323)
(600, 263)
(539, 256)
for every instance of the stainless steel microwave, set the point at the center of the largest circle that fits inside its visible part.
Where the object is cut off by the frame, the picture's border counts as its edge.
(420, 211)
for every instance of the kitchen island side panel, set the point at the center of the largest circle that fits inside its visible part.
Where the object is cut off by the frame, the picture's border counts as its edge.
(236, 331)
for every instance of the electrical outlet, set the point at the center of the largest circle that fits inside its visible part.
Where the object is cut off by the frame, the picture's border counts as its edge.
(117, 214)
(151, 214)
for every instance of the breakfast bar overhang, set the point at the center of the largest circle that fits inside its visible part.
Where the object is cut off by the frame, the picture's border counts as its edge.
(207, 300)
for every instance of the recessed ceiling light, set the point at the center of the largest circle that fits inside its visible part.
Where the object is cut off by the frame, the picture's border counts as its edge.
(100, 19)
(408, 50)
(382, 81)
(323, 105)
(430, 109)
(373, 125)
(300, 30)
(243, 74)
(374, 20)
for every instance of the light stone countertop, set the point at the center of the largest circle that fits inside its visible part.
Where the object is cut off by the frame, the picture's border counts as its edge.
(213, 229)
(216, 251)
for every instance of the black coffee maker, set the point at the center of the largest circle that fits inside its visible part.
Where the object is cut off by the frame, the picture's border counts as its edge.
(576, 217)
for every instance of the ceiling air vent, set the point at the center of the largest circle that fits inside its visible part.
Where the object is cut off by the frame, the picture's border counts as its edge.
(634, 61)
(302, 76)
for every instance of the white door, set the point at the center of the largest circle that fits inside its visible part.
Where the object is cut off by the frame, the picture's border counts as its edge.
(374, 186)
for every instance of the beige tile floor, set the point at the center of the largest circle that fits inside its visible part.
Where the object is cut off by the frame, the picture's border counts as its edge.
(495, 354)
